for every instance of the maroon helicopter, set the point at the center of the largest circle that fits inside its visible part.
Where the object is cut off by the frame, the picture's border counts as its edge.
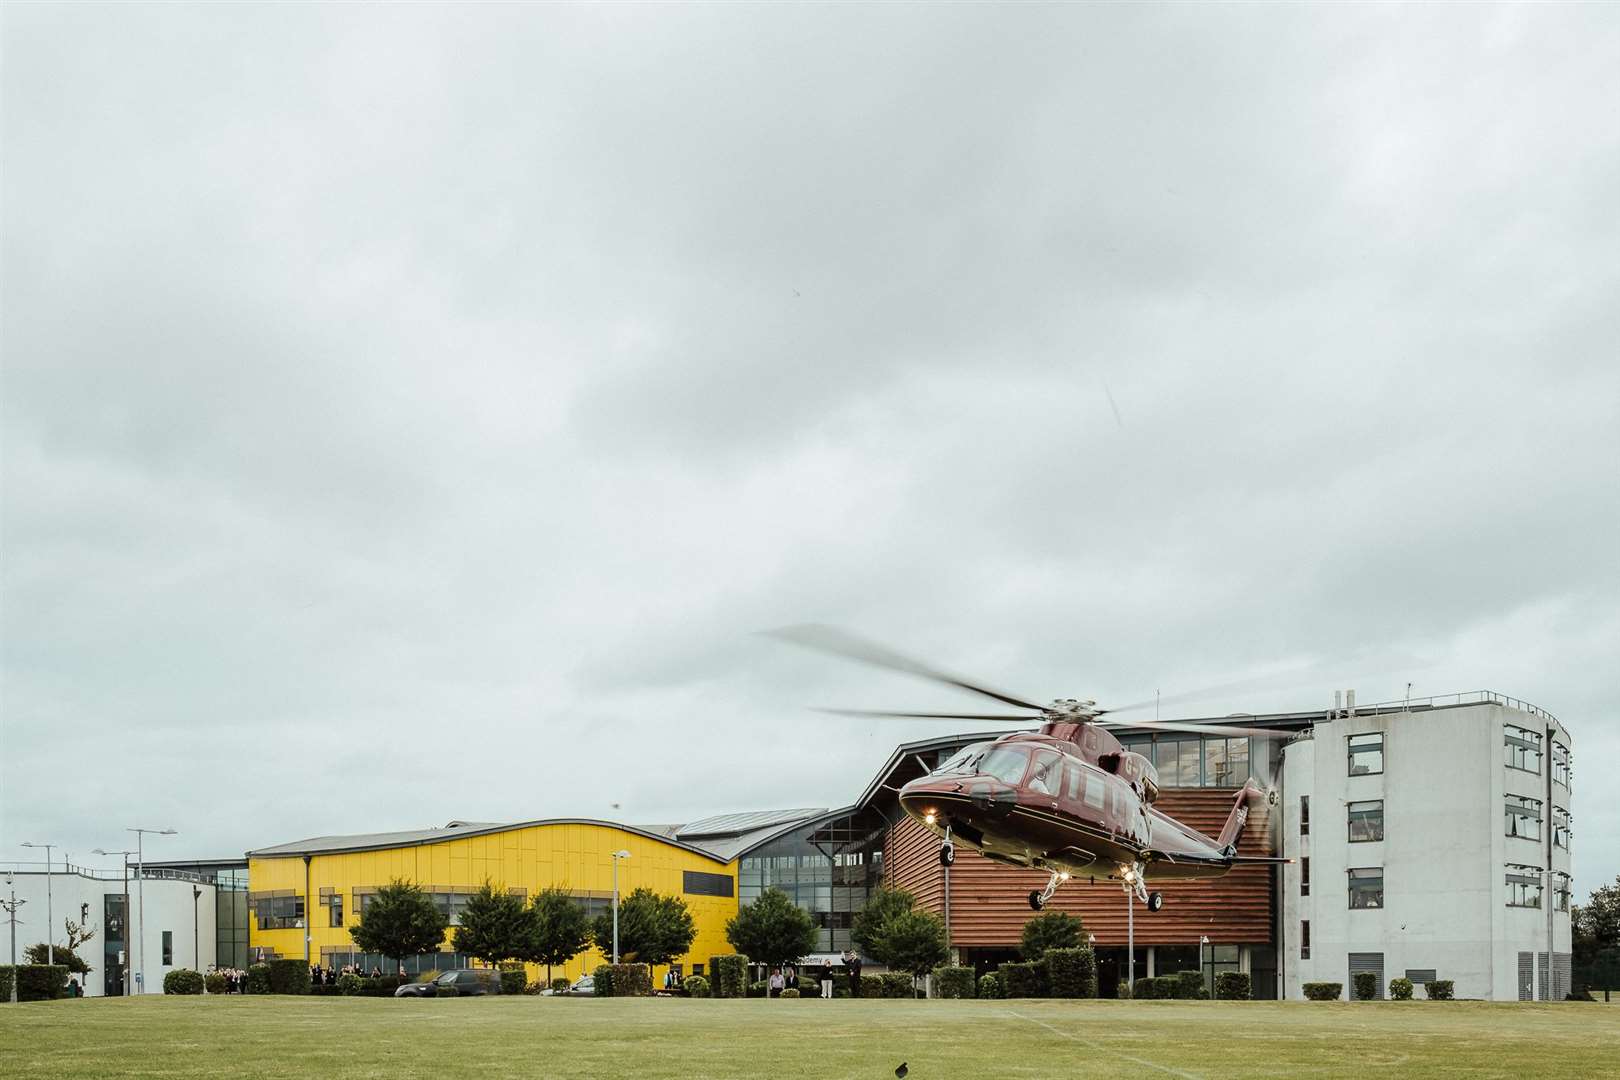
(1068, 799)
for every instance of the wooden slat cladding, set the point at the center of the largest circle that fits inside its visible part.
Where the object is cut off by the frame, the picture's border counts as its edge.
(990, 901)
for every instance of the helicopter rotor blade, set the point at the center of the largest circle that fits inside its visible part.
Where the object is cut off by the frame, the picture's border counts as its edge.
(1200, 729)
(885, 714)
(830, 639)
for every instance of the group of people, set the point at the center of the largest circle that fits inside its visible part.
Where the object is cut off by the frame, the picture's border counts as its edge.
(328, 976)
(235, 978)
(787, 976)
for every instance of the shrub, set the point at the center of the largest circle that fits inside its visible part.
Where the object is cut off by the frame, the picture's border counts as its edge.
(348, 984)
(183, 981)
(215, 983)
(603, 984)
(1050, 930)
(1071, 973)
(1123, 992)
(559, 985)
(1145, 989)
(1023, 979)
(8, 976)
(871, 986)
(728, 975)
(382, 986)
(41, 982)
(1438, 990)
(1165, 987)
(697, 986)
(1400, 989)
(289, 977)
(512, 982)
(1233, 986)
(1366, 985)
(632, 980)
(1190, 985)
(789, 994)
(953, 982)
(1323, 991)
(258, 979)
(990, 985)
(897, 984)
(760, 989)
(324, 990)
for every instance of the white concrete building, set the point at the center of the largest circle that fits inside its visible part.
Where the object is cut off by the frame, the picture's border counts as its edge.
(1431, 841)
(179, 921)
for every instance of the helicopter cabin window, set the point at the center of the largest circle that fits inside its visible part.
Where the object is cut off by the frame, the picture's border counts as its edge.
(1366, 888)
(1096, 789)
(1047, 775)
(1006, 763)
(1367, 753)
(1074, 781)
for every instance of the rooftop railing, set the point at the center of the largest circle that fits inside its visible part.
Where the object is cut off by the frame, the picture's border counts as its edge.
(1466, 697)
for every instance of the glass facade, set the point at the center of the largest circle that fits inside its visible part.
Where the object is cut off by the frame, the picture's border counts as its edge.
(1193, 761)
(828, 868)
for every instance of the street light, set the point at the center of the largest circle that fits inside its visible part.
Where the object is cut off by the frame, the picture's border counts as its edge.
(140, 896)
(11, 910)
(50, 950)
(196, 954)
(617, 855)
(1203, 939)
(123, 919)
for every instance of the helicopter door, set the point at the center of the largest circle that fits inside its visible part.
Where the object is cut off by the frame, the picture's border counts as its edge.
(1046, 778)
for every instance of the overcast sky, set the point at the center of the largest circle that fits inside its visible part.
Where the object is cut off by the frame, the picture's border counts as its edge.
(411, 413)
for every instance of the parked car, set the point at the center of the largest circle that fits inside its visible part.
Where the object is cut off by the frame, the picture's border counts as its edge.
(466, 982)
(585, 986)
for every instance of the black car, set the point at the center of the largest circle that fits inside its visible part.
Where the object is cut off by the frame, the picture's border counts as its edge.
(466, 982)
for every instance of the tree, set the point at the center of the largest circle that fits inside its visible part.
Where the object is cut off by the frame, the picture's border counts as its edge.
(883, 905)
(654, 929)
(559, 929)
(77, 933)
(773, 930)
(495, 925)
(913, 942)
(1050, 930)
(36, 954)
(400, 920)
(1595, 925)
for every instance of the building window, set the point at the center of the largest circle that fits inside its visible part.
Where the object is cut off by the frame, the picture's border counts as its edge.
(698, 883)
(1367, 888)
(1560, 763)
(278, 912)
(1305, 876)
(1522, 748)
(1179, 762)
(1523, 817)
(1305, 939)
(1523, 886)
(1561, 827)
(1367, 754)
(1560, 891)
(168, 948)
(1226, 761)
(335, 911)
(450, 903)
(1304, 815)
(1366, 821)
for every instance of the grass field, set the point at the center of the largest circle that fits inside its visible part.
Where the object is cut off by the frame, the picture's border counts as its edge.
(348, 1038)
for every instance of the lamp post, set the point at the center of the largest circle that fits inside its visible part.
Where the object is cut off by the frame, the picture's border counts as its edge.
(196, 954)
(123, 929)
(1203, 939)
(50, 950)
(140, 896)
(11, 910)
(617, 855)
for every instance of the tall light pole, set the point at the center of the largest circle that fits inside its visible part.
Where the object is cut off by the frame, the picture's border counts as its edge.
(617, 855)
(11, 910)
(123, 929)
(1203, 939)
(50, 949)
(140, 895)
(196, 954)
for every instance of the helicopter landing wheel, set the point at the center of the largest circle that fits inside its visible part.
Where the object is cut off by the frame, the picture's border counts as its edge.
(947, 854)
(1155, 901)
(1036, 900)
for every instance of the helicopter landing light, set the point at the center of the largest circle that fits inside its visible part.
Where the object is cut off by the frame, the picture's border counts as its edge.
(1064, 876)
(928, 816)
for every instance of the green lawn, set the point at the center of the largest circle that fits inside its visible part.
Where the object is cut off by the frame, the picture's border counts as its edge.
(348, 1038)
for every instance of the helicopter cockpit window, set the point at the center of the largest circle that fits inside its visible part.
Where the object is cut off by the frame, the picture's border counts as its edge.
(1005, 763)
(965, 760)
(1047, 775)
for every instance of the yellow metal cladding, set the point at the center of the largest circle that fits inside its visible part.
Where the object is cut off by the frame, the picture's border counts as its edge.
(576, 856)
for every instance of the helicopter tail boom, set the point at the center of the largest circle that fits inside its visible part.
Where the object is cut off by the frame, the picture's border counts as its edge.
(1238, 817)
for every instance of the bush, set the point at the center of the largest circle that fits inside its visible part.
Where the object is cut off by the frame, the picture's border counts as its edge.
(697, 986)
(1190, 986)
(789, 994)
(8, 976)
(1323, 991)
(325, 990)
(1022, 979)
(1366, 985)
(512, 982)
(1123, 991)
(1071, 973)
(289, 977)
(603, 981)
(728, 975)
(382, 986)
(871, 986)
(182, 981)
(1233, 986)
(760, 989)
(1165, 987)
(258, 979)
(953, 982)
(41, 982)
(1438, 990)
(632, 980)
(897, 984)
(215, 983)
(348, 984)
(1148, 989)
(560, 984)
(1400, 989)
(990, 986)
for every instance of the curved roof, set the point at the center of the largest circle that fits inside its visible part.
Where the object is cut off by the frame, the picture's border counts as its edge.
(456, 830)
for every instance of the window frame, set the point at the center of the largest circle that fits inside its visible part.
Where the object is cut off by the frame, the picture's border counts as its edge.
(1304, 875)
(1560, 764)
(1304, 815)
(1528, 809)
(1351, 881)
(1350, 820)
(1304, 939)
(1520, 884)
(1351, 751)
(168, 948)
(1521, 747)
(1562, 829)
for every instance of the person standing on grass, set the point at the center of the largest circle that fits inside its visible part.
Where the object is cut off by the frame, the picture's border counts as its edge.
(777, 984)
(826, 980)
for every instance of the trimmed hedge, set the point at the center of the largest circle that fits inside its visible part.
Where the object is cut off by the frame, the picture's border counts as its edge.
(632, 980)
(697, 986)
(1233, 986)
(289, 977)
(1071, 973)
(258, 979)
(1323, 991)
(602, 985)
(324, 990)
(991, 985)
(382, 986)
(762, 989)
(215, 983)
(349, 984)
(1400, 989)
(560, 984)
(788, 994)
(897, 984)
(1190, 986)
(512, 982)
(1022, 979)
(871, 986)
(41, 982)
(7, 977)
(1366, 985)
(728, 975)
(1157, 988)
(1438, 990)
(182, 981)
(953, 982)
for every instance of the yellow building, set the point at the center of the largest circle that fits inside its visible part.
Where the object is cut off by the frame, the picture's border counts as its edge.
(305, 895)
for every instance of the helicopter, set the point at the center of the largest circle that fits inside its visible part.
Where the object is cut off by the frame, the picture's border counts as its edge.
(1067, 798)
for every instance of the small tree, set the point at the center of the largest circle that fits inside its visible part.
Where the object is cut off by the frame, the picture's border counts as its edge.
(867, 930)
(913, 942)
(652, 928)
(773, 930)
(559, 929)
(1050, 930)
(495, 925)
(36, 954)
(400, 920)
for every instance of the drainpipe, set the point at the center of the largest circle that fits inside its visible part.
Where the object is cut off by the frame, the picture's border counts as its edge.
(306, 911)
(1547, 892)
